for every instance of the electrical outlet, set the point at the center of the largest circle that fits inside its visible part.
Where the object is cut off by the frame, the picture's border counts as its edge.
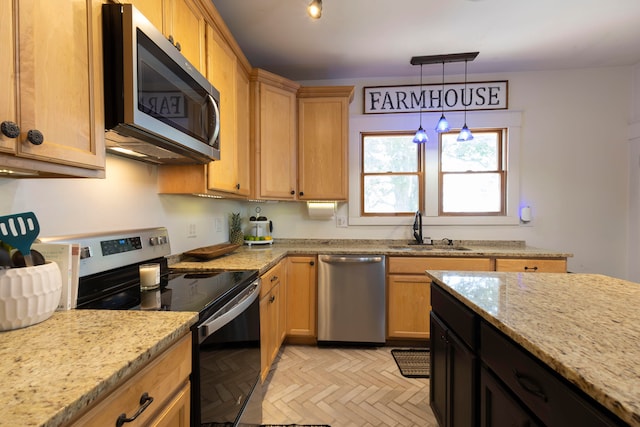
(341, 221)
(218, 223)
(191, 232)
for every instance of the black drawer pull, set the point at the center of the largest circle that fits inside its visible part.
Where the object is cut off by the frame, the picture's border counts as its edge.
(530, 385)
(535, 268)
(145, 401)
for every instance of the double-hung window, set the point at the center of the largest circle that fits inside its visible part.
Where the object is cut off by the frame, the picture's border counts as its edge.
(470, 180)
(392, 177)
(472, 174)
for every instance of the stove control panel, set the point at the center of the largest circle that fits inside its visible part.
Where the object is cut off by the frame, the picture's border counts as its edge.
(101, 252)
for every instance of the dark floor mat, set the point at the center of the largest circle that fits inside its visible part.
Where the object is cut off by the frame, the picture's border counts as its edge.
(413, 363)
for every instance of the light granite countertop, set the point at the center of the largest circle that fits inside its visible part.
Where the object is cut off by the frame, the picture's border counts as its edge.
(52, 370)
(263, 257)
(586, 327)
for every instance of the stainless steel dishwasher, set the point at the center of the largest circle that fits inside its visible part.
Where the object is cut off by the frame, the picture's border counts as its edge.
(351, 299)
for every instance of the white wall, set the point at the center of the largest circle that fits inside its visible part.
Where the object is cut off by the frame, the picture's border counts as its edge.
(574, 173)
(126, 199)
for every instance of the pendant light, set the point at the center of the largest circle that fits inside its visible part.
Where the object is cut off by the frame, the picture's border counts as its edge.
(315, 9)
(465, 133)
(421, 136)
(443, 124)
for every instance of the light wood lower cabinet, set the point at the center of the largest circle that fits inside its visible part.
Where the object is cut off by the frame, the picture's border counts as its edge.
(408, 300)
(302, 305)
(272, 322)
(532, 265)
(408, 305)
(165, 379)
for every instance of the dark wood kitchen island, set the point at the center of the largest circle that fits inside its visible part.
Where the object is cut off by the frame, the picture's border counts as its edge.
(534, 349)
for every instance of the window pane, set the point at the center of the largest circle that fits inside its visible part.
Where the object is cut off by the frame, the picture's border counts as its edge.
(390, 153)
(479, 154)
(471, 192)
(391, 194)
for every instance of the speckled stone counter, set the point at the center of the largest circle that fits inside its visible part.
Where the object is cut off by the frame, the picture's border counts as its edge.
(586, 327)
(53, 370)
(263, 257)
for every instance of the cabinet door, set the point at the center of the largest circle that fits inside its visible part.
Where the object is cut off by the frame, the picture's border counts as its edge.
(177, 412)
(323, 127)
(409, 303)
(7, 75)
(243, 131)
(58, 82)
(498, 408)
(462, 383)
(439, 368)
(184, 22)
(221, 72)
(265, 345)
(275, 142)
(301, 296)
(153, 10)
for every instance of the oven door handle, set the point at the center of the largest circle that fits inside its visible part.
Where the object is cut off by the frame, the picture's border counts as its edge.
(226, 314)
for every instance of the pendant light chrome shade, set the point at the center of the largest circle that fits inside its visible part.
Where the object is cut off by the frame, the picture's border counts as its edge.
(315, 9)
(443, 124)
(421, 135)
(465, 133)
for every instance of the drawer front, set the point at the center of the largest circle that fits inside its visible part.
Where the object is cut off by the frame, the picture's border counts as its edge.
(497, 406)
(161, 379)
(271, 278)
(532, 265)
(417, 265)
(455, 315)
(551, 399)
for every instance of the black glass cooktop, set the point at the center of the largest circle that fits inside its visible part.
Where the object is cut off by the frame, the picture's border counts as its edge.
(179, 291)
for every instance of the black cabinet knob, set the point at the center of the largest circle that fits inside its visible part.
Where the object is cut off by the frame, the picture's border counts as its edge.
(35, 137)
(10, 129)
(293, 192)
(237, 186)
(302, 193)
(312, 263)
(178, 46)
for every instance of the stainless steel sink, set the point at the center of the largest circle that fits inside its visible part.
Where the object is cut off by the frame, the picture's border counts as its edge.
(429, 248)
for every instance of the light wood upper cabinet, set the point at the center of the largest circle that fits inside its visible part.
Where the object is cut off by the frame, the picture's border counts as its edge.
(231, 173)
(273, 136)
(180, 20)
(53, 93)
(323, 142)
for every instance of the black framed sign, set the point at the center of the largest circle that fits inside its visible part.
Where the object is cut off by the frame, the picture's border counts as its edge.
(491, 95)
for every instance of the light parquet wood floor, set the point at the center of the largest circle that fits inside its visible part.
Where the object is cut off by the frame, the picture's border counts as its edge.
(343, 387)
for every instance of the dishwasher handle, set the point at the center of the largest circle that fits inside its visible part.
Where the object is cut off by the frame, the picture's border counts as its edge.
(350, 259)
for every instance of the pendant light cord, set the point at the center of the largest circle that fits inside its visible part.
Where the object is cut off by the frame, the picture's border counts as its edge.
(442, 95)
(421, 95)
(465, 93)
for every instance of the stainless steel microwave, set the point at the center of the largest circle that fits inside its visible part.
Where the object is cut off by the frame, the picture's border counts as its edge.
(158, 107)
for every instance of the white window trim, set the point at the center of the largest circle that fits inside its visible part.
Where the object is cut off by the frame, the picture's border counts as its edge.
(402, 122)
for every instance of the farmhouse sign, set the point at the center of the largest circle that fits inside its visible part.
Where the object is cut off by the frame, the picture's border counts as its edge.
(429, 97)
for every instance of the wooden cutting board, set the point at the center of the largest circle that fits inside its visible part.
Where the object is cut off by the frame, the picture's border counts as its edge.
(214, 251)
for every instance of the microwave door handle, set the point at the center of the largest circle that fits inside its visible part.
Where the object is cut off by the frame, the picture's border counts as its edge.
(216, 112)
